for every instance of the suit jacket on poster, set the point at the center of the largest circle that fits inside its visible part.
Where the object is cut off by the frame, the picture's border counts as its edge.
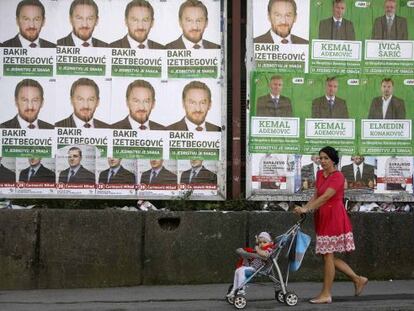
(179, 45)
(15, 43)
(266, 108)
(308, 174)
(204, 176)
(6, 175)
(68, 41)
(267, 38)
(164, 177)
(125, 124)
(69, 122)
(395, 110)
(328, 31)
(368, 175)
(43, 174)
(321, 109)
(82, 176)
(398, 29)
(123, 176)
(14, 124)
(182, 126)
(124, 43)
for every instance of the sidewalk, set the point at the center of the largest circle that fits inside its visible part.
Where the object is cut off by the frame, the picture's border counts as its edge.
(386, 295)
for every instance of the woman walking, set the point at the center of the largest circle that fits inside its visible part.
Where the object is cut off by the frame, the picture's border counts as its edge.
(332, 225)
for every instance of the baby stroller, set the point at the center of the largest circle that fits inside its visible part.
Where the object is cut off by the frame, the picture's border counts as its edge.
(296, 243)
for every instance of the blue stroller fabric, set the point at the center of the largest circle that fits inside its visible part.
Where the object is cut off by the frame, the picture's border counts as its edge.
(302, 242)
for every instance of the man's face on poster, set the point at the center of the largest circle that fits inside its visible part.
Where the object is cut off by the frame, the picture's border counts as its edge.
(30, 22)
(193, 23)
(196, 163)
(390, 7)
(276, 86)
(331, 88)
(316, 159)
(196, 104)
(83, 21)
(84, 102)
(282, 17)
(114, 162)
(156, 164)
(357, 159)
(387, 89)
(339, 10)
(139, 23)
(140, 103)
(34, 161)
(29, 101)
(74, 158)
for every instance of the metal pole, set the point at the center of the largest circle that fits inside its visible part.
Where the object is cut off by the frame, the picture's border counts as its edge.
(236, 98)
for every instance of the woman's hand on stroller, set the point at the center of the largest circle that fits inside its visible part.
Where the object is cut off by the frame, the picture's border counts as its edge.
(299, 210)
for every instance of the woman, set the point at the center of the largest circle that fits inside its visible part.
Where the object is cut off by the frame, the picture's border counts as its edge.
(332, 225)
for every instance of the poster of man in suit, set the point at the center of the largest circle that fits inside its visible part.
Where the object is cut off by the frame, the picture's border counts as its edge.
(193, 19)
(287, 26)
(358, 174)
(29, 100)
(30, 19)
(330, 106)
(197, 102)
(308, 171)
(116, 173)
(140, 101)
(198, 174)
(158, 175)
(85, 97)
(139, 19)
(387, 106)
(390, 26)
(36, 172)
(76, 174)
(274, 104)
(7, 171)
(337, 27)
(83, 17)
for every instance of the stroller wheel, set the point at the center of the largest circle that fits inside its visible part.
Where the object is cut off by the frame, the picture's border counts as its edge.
(230, 300)
(291, 299)
(240, 302)
(280, 297)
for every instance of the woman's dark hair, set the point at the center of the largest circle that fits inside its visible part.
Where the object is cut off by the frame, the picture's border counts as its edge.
(331, 153)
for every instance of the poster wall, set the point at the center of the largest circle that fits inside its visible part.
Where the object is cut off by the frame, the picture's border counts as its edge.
(336, 73)
(104, 97)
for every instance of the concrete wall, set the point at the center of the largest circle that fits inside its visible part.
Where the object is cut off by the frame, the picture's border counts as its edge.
(99, 248)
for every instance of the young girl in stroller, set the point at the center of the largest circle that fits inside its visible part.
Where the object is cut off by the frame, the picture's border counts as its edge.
(249, 264)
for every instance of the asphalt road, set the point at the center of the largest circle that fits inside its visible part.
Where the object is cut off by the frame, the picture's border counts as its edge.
(381, 296)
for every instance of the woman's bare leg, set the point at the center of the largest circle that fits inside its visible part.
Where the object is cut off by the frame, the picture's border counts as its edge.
(359, 281)
(328, 277)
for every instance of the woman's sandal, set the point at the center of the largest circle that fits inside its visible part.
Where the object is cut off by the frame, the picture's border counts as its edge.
(359, 286)
(321, 300)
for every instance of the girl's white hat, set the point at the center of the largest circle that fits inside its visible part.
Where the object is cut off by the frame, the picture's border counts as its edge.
(266, 236)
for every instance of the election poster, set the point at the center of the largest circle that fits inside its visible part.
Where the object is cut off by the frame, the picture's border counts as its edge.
(157, 178)
(7, 175)
(35, 176)
(281, 35)
(116, 176)
(395, 174)
(75, 170)
(360, 172)
(198, 177)
(121, 81)
(386, 115)
(337, 32)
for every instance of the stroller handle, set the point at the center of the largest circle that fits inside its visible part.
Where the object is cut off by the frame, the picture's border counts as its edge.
(302, 219)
